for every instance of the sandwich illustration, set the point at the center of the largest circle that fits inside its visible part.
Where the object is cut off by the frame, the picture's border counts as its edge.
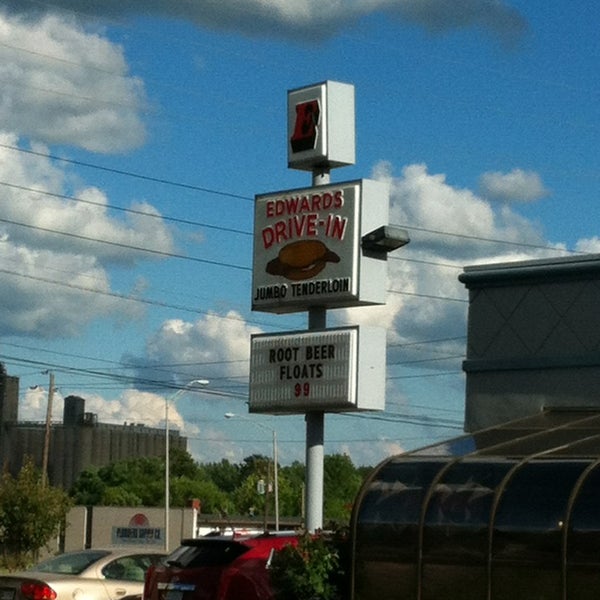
(301, 260)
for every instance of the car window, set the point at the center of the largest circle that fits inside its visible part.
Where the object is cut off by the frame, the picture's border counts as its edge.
(129, 568)
(71, 563)
(206, 553)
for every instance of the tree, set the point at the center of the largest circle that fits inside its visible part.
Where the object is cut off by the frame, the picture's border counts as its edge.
(341, 484)
(141, 482)
(225, 475)
(291, 489)
(31, 514)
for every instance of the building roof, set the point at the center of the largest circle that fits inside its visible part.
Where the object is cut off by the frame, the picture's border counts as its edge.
(554, 433)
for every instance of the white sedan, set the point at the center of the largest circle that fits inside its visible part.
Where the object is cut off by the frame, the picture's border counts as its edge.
(106, 574)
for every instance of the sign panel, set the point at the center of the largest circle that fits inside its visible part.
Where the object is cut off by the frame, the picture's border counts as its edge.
(321, 126)
(307, 247)
(334, 370)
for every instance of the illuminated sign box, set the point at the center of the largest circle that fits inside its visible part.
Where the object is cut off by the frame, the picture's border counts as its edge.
(321, 126)
(307, 247)
(333, 370)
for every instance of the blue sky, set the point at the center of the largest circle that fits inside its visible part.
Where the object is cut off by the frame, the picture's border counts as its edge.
(133, 141)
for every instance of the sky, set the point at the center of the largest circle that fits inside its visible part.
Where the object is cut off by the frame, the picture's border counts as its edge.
(134, 137)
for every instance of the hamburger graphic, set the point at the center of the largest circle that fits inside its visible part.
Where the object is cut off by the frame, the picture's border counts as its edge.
(301, 260)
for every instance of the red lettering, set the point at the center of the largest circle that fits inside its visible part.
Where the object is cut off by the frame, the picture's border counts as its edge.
(311, 225)
(336, 226)
(292, 205)
(267, 237)
(302, 204)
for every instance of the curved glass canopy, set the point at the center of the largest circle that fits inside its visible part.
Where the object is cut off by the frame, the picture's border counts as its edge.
(508, 513)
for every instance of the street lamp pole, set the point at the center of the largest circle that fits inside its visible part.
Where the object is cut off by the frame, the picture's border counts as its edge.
(168, 400)
(230, 415)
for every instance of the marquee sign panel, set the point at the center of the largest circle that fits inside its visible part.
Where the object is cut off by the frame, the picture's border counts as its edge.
(334, 370)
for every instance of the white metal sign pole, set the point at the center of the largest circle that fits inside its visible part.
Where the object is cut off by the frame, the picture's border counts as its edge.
(315, 420)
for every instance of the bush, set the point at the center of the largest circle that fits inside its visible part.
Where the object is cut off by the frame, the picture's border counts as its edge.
(310, 570)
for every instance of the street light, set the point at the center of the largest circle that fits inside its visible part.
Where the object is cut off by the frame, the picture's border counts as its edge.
(168, 400)
(230, 415)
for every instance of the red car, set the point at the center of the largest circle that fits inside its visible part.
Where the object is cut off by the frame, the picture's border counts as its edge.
(217, 568)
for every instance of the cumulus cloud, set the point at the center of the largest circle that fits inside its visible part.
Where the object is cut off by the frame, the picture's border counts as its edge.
(215, 346)
(57, 283)
(132, 406)
(591, 245)
(309, 19)
(516, 185)
(62, 84)
(450, 228)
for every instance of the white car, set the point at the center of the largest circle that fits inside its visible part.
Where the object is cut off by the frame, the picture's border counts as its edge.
(95, 574)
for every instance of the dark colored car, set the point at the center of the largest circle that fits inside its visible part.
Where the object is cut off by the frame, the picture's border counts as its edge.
(217, 568)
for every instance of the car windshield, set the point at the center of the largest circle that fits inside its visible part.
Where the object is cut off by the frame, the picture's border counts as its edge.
(206, 553)
(72, 563)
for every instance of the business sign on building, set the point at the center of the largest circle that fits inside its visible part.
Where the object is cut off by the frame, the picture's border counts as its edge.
(321, 126)
(333, 370)
(307, 247)
(137, 531)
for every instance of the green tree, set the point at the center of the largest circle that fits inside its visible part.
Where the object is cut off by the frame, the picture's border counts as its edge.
(225, 475)
(181, 464)
(141, 482)
(89, 488)
(134, 482)
(31, 514)
(213, 500)
(341, 483)
(291, 489)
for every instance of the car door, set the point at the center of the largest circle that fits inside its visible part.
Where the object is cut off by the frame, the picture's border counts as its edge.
(124, 576)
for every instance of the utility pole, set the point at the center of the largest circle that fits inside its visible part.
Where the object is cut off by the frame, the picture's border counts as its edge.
(48, 429)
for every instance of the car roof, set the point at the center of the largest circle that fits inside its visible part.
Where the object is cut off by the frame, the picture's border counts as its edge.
(248, 539)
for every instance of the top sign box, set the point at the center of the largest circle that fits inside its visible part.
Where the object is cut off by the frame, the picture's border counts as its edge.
(321, 129)
(307, 247)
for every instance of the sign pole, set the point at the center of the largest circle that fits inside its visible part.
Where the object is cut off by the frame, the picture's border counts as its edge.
(315, 420)
(318, 249)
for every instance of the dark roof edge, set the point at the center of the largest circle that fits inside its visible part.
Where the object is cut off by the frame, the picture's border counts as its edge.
(569, 267)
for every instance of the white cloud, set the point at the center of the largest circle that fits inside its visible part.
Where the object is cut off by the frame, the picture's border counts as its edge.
(591, 245)
(57, 284)
(215, 346)
(517, 185)
(450, 228)
(310, 19)
(64, 85)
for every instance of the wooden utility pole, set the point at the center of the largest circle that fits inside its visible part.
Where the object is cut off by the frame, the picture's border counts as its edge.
(48, 429)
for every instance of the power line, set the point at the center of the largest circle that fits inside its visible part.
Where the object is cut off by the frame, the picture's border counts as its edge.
(213, 191)
(161, 253)
(113, 171)
(131, 211)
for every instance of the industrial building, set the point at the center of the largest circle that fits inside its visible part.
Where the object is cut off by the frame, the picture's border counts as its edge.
(79, 442)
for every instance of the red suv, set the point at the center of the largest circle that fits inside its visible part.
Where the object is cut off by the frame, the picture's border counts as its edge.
(217, 568)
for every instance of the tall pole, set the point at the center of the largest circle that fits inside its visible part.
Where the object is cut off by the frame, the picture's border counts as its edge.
(315, 420)
(275, 480)
(231, 415)
(46, 451)
(167, 476)
(168, 400)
